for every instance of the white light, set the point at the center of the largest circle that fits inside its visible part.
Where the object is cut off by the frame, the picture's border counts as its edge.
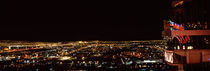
(169, 57)
(183, 47)
(65, 58)
(178, 47)
(149, 61)
(190, 47)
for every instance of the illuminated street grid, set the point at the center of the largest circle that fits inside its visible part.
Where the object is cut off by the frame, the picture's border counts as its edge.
(83, 55)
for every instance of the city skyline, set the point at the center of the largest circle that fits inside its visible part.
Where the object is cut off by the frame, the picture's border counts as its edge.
(160, 35)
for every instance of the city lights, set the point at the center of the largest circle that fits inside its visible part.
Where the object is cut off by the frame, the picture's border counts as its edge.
(100, 54)
(64, 58)
(149, 35)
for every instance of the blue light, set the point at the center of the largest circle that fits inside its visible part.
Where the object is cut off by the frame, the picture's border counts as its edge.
(172, 23)
(177, 37)
(183, 28)
(171, 29)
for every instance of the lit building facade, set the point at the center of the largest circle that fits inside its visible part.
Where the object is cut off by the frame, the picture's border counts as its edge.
(186, 32)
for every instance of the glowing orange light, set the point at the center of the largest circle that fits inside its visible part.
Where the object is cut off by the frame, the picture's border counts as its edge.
(178, 3)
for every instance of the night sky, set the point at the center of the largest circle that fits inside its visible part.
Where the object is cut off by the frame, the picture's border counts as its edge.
(84, 20)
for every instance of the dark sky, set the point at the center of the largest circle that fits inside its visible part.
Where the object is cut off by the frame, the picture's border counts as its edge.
(84, 20)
